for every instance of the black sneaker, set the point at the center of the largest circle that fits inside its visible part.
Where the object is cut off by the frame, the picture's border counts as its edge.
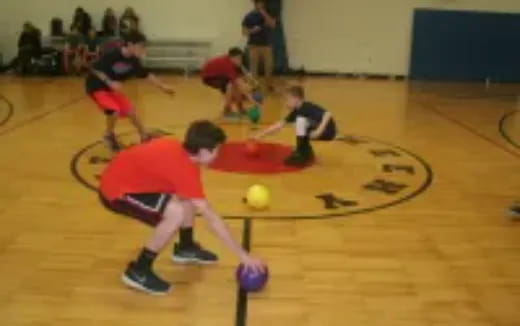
(514, 211)
(112, 143)
(145, 281)
(193, 254)
(299, 159)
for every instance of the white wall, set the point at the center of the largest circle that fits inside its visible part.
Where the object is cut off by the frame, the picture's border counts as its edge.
(371, 36)
(326, 35)
(217, 20)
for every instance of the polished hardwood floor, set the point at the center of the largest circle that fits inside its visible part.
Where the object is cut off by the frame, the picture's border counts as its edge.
(431, 245)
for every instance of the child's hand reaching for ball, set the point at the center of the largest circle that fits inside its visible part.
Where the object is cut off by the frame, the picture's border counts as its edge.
(253, 264)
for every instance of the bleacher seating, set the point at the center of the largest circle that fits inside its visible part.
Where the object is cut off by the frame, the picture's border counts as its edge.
(188, 55)
(174, 53)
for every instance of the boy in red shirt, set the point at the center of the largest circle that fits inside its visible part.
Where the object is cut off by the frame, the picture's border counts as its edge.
(159, 183)
(224, 73)
(103, 84)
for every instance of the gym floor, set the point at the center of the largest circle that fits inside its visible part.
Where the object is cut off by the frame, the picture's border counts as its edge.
(402, 223)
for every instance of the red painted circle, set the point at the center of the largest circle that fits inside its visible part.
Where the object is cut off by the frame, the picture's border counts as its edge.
(269, 159)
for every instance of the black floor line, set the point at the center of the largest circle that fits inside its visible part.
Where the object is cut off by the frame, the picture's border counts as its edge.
(426, 184)
(40, 116)
(502, 128)
(434, 109)
(10, 110)
(241, 309)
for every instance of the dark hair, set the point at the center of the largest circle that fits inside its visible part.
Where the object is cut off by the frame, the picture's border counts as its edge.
(296, 91)
(134, 37)
(259, 1)
(235, 52)
(203, 134)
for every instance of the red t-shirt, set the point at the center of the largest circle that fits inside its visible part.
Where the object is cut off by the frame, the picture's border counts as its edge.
(159, 166)
(220, 66)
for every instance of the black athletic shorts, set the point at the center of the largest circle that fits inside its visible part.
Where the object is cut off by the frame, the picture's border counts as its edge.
(329, 133)
(147, 208)
(217, 82)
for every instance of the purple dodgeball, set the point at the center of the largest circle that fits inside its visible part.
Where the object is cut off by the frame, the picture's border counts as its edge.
(250, 281)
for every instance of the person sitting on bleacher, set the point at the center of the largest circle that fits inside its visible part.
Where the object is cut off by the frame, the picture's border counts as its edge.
(73, 51)
(92, 48)
(82, 21)
(129, 21)
(29, 47)
(109, 23)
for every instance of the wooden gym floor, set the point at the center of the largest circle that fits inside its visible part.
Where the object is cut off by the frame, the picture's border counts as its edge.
(401, 224)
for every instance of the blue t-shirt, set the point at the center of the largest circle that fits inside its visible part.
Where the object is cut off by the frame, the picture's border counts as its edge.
(262, 37)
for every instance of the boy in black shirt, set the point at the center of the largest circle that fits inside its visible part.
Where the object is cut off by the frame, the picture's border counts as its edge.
(103, 85)
(311, 122)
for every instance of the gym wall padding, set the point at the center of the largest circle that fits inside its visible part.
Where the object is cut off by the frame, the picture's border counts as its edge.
(465, 46)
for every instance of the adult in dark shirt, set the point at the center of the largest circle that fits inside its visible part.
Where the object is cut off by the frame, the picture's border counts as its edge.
(29, 47)
(109, 23)
(103, 84)
(257, 26)
(311, 122)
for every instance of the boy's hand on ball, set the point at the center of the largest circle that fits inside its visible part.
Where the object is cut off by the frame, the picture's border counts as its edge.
(253, 264)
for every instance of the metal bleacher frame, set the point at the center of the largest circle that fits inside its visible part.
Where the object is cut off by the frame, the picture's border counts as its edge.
(55, 42)
(177, 53)
(186, 54)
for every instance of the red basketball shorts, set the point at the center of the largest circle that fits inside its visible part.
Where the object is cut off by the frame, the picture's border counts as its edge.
(112, 102)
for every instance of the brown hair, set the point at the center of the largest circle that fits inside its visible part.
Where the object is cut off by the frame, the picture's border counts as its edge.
(235, 52)
(203, 134)
(296, 91)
